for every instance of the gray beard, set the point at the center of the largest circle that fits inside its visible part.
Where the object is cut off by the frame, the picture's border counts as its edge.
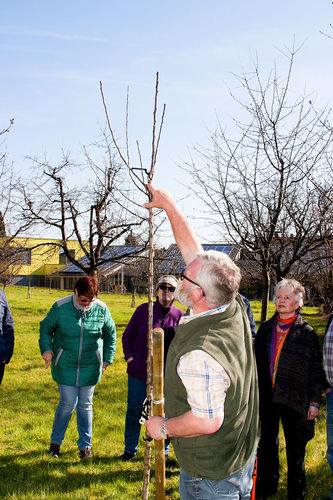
(183, 296)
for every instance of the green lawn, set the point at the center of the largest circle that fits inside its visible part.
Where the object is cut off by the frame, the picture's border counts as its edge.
(28, 398)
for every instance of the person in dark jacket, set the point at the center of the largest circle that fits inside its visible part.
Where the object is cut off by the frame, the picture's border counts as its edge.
(291, 377)
(78, 339)
(249, 313)
(6, 333)
(166, 316)
(328, 367)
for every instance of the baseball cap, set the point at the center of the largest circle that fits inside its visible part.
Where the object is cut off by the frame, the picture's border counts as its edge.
(167, 278)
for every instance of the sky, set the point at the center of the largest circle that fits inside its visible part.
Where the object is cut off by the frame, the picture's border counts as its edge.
(54, 54)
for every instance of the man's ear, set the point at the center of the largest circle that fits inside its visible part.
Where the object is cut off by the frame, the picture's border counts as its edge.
(198, 294)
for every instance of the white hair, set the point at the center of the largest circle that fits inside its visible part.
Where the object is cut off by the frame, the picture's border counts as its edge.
(218, 276)
(298, 290)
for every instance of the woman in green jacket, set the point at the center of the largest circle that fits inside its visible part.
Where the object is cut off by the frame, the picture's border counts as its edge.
(78, 339)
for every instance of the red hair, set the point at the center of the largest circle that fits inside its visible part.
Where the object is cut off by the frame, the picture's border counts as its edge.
(87, 286)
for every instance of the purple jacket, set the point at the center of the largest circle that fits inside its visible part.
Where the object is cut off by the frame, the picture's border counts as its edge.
(135, 335)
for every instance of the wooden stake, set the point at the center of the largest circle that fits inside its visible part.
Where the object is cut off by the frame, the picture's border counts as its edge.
(158, 409)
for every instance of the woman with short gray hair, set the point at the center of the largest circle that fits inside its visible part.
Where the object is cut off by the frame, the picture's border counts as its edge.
(291, 377)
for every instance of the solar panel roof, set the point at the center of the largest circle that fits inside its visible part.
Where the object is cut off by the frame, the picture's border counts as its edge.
(173, 263)
(112, 256)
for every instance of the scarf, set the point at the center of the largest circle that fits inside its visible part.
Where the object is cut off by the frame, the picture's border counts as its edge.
(277, 342)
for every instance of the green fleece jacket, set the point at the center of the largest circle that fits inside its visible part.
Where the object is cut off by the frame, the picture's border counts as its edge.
(81, 341)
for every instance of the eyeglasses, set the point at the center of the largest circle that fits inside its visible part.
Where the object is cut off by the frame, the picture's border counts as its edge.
(165, 287)
(183, 277)
(85, 300)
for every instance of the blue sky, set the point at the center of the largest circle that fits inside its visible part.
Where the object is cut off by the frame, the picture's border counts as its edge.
(53, 55)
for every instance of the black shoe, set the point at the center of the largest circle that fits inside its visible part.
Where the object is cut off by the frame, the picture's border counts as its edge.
(85, 453)
(125, 457)
(54, 450)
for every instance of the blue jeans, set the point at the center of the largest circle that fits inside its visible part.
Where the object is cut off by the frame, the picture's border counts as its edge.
(136, 394)
(329, 430)
(70, 398)
(235, 487)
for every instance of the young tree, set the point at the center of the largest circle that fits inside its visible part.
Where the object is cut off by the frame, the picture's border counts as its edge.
(140, 181)
(269, 181)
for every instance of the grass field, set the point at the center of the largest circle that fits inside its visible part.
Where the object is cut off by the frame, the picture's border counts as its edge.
(28, 398)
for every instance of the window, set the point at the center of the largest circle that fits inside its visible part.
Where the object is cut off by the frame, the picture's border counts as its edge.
(63, 260)
(22, 256)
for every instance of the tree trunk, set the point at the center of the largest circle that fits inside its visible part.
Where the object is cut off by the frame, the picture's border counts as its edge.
(29, 291)
(265, 295)
(133, 296)
(147, 457)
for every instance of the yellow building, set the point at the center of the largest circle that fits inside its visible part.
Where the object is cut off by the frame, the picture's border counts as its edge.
(37, 258)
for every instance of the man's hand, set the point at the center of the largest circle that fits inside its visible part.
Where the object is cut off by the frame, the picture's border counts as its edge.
(154, 426)
(105, 365)
(160, 198)
(183, 232)
(47, 356)
(313, 412)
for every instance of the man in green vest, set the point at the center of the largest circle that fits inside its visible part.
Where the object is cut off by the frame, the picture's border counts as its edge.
(211, 392)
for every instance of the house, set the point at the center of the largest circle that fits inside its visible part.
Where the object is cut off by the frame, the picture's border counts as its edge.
(31, 260)
(170, 261)
(40, 262)
(124, 266)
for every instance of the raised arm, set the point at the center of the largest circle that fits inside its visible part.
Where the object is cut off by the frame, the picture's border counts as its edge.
(183, 232)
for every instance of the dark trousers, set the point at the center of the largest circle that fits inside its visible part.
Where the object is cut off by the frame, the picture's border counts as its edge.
(2, 371)
(136, 394)
(297, 432)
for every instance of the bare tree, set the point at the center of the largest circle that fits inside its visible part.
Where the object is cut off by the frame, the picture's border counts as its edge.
(91, 203)
(269, 180)
(10, 254)
(6, 184)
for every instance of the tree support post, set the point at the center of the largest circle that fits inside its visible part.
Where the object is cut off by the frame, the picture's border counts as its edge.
(158, 409)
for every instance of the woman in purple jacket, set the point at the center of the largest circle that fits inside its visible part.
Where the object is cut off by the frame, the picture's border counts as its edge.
(165, 316)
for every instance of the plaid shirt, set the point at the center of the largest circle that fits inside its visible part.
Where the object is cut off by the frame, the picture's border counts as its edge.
(205, 380)
(328, 352)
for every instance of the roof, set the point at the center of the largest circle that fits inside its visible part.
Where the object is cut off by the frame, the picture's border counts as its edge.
(172, 261)
(114, 258)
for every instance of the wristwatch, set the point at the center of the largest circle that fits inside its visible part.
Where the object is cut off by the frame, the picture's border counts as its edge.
(163, 429)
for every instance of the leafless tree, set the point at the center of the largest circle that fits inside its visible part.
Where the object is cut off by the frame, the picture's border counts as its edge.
(90, 202)
(140, 180)
(268, 180)
(10, 254)
(6, 183)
